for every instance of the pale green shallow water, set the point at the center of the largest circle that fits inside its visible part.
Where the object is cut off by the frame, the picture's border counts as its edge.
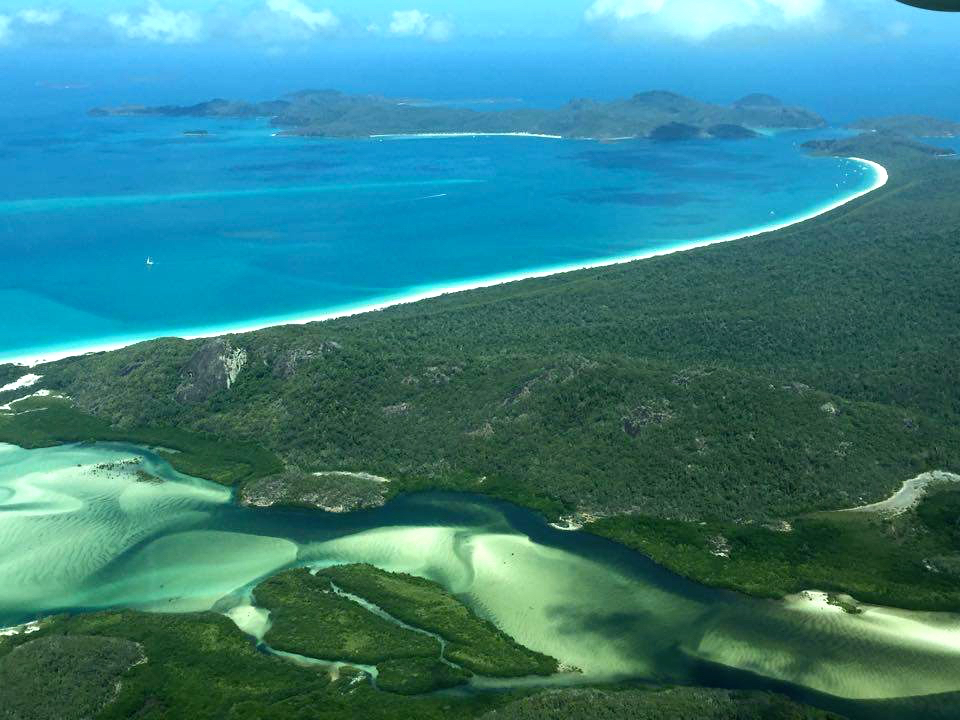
(75, 536)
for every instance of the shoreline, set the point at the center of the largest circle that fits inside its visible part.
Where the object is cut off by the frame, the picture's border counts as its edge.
(413, 136)
(34, 358)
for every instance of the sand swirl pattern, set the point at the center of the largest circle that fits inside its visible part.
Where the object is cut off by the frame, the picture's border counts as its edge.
(108, 526)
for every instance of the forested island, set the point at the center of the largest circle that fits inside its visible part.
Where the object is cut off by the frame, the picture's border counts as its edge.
(916, 125)
(659, 115)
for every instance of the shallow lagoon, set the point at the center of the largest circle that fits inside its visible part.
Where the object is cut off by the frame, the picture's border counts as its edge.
(80, 531)
(245, 228)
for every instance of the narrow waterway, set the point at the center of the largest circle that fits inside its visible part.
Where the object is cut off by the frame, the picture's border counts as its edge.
(81, 530)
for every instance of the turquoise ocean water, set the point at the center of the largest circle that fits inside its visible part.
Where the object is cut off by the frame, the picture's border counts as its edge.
(245, 228)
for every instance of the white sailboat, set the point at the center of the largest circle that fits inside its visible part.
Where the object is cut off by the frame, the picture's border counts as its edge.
(149, 262)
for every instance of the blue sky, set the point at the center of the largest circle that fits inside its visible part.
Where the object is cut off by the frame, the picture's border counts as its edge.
(845, 58)
(284, 23)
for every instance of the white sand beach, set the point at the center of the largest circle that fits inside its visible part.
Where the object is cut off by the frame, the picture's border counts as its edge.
(424, 293)
(403, 136)
(23, 382)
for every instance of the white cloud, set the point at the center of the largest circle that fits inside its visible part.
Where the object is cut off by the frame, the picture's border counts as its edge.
(40, 17)
(157, 24)
(699, 19)
(414, 23)
(623, 9)
(409, 22)
(4, 29)
(314, 20)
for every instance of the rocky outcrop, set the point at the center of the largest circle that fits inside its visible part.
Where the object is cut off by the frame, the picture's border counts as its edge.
(213, 368)
(434, 375)
(562, 372)
(284, 362)
(398, 409)
(332, 491)
(830, 408)
(657, 412)
(484, 431)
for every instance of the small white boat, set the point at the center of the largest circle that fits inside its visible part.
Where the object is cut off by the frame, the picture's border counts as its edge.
(149, 261)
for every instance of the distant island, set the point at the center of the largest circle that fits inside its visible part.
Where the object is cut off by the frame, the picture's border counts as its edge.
(657, 114)
(916, 125)
(871, 142)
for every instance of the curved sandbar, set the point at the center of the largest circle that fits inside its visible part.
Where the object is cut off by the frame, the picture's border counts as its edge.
(426, 292)
(909, 495)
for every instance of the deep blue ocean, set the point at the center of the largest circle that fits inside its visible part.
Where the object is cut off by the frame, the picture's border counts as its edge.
(243, 227)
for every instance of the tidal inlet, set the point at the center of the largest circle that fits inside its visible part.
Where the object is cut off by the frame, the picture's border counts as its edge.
(104, 526)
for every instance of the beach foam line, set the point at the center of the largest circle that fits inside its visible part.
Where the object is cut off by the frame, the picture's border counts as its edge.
(32, 359)
(411, 136)
(54, 204)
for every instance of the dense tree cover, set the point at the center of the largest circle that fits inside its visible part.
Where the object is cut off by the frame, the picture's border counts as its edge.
(416, 676)
(41, 422)
(473, 643)
(61, 677)
(638, 388)
(313, 617)
(940, 514)
(910, 561)
(671, 704)
(201, 667)
(9, 373)
(309, 618)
